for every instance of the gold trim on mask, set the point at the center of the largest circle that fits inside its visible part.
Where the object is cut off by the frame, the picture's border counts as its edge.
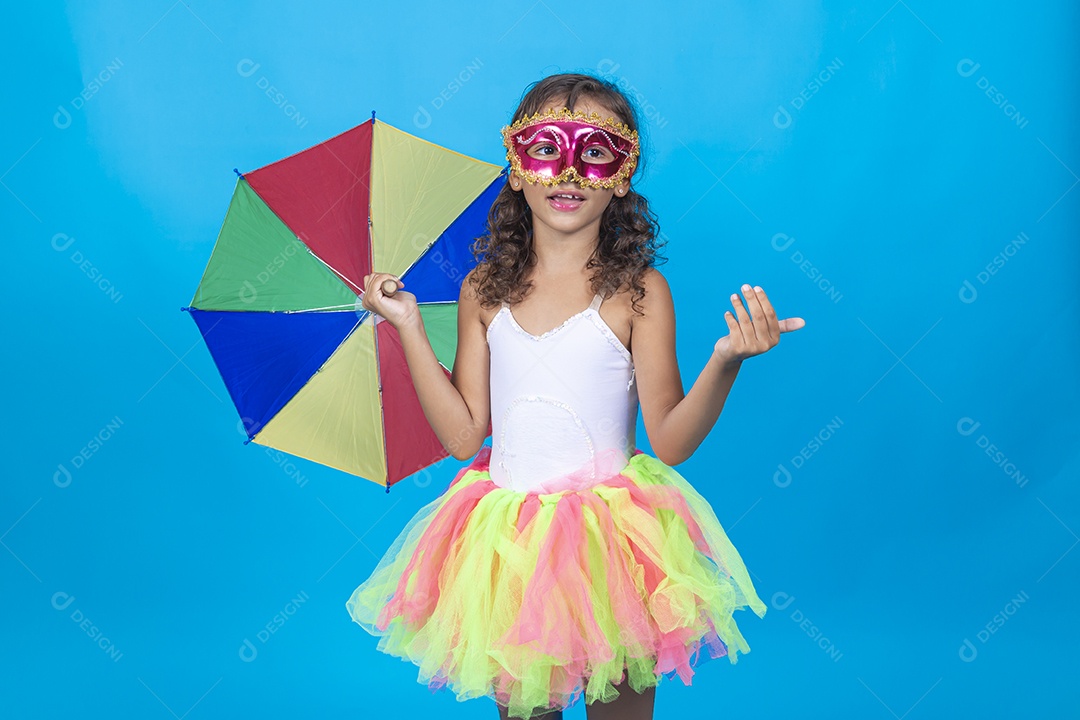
(570, 173)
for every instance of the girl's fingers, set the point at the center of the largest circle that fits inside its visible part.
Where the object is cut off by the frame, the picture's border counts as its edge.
(760, 327)
(771, 321)
(373, 286)
(790, 324)
(746, 333)
(741, 335)
(732, 324)
(758, 330)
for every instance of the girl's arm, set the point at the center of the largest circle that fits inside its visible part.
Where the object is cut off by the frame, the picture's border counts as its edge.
(458, 407)
(677, 423)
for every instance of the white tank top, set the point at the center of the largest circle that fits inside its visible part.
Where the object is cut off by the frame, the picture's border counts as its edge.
(563, 404)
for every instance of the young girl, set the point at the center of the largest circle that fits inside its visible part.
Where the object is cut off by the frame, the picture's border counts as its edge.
(563, 561)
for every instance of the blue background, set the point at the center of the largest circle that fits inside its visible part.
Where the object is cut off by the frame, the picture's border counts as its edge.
(899, 475)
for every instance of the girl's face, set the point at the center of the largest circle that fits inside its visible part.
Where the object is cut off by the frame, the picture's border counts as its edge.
(568, 206)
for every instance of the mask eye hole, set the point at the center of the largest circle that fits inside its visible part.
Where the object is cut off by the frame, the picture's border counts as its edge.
(597, 154)
(543, 151)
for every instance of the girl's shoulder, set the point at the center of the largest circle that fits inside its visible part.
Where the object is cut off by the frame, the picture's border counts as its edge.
(652, 278)
(656, 291)
(469, 302)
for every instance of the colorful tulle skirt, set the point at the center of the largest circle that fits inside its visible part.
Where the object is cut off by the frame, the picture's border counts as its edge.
(538, 599)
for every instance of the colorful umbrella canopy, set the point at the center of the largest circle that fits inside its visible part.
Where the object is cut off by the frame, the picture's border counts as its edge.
(310, 371)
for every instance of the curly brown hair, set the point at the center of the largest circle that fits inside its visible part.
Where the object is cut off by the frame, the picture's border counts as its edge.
(629, 232)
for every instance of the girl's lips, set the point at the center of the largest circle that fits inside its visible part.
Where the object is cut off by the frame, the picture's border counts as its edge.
(565, 203)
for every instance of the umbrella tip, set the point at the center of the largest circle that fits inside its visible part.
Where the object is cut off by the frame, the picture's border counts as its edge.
(387, 487)
(372, 116)
(238, 173)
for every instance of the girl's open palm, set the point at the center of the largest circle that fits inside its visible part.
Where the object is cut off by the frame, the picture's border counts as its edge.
(755, 332)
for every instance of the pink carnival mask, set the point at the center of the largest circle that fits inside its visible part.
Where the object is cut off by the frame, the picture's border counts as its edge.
(561, 145)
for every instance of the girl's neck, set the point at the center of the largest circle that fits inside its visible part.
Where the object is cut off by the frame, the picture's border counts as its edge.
(559, 253)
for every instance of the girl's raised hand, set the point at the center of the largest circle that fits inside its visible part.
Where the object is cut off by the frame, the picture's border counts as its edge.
(398, 308)
(754, 333)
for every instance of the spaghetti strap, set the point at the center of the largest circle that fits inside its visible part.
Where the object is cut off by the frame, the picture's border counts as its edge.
(596, 301)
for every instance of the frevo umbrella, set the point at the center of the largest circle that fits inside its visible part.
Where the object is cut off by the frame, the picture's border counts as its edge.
(310, 371)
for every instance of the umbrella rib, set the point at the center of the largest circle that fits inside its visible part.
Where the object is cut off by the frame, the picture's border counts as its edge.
(328, 307)
(335, 271)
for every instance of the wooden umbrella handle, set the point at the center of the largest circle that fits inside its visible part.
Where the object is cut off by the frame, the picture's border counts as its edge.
(389, 287)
